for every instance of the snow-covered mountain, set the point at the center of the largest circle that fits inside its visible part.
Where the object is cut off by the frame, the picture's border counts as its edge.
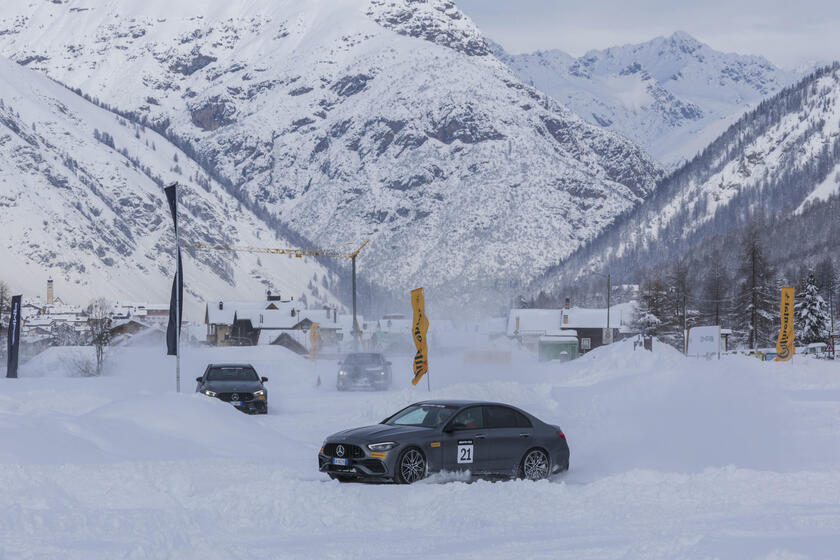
(671, 95)
(81, 199)
(781, 161)
(352, 119)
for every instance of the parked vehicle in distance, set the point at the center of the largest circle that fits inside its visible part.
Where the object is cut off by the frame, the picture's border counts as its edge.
(237, 384)
(484, 438)
(363, 370)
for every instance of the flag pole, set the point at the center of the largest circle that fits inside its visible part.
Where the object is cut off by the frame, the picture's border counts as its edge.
(178, 282)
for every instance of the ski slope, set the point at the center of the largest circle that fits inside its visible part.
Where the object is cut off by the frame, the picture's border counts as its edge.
(670, 458)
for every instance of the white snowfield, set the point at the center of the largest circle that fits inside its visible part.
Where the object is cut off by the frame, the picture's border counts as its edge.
(670, 458)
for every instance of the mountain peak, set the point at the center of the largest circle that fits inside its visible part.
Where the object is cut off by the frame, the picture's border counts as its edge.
(671, 94)
(684, 38)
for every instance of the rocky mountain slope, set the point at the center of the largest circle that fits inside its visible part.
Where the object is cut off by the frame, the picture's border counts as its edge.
(781, 162)
(671, 95)
(81, 199)
(351, 119)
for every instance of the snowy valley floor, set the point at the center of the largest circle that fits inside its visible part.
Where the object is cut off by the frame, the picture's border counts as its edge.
(670, 458)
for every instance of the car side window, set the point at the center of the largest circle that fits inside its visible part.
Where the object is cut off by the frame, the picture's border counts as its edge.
(468, 419)
(522, 420)
(504, 417)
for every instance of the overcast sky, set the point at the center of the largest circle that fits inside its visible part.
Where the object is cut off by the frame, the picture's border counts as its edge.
(788, 32)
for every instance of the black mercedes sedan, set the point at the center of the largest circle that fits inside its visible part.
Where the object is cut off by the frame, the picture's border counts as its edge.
(483, 439)
(363, 370)
(237, 384)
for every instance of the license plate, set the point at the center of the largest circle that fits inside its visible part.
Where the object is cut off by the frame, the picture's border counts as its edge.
(340, 462)
(236, 403)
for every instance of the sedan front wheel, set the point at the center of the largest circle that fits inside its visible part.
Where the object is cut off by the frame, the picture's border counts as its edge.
(411, 466)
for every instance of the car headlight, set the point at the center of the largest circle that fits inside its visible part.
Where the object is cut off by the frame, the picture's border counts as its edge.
(383, 446)
(209, 393)
(381, 373)
(342, 372)
(260, 393)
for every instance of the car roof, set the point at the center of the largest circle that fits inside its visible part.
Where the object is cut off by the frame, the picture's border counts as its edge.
(462, 403)
(231, 365)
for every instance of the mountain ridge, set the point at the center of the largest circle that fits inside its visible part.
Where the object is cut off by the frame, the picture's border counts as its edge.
(342, 128)
(778, 164)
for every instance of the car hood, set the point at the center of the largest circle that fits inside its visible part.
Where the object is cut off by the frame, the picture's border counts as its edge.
(233, 386)
(379, 432)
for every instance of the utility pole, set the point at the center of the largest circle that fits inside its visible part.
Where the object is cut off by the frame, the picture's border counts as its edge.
(608, 276)
(685, 322)
(355, 323)
(830, 305)
(609, 289)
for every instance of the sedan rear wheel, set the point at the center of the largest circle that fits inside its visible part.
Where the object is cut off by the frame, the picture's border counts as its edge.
(535, 465)
(411, 467)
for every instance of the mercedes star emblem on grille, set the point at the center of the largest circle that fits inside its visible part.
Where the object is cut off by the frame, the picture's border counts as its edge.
(339, 450)
(234, 397)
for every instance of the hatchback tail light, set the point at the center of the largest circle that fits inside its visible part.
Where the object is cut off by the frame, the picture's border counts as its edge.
(561, 434)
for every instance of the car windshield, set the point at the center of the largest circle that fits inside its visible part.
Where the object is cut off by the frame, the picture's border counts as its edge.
(232, 373)
(425, 415)
(363, 360)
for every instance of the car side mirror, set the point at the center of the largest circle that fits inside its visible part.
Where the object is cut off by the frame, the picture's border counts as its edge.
(198, 379)
(453, 427)
(263, 379)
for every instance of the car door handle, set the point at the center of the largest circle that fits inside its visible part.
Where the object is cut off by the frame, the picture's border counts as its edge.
(480, 436)
(525, 435)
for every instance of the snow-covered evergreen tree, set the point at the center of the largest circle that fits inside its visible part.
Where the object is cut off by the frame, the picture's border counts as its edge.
(755, 298)
(811, 314)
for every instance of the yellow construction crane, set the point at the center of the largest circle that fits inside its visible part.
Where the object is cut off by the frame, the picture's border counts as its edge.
(341, 251)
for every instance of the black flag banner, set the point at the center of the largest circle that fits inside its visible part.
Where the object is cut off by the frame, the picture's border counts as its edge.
(176, 302)
(13, 340)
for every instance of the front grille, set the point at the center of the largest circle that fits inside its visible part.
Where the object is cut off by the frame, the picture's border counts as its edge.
(244, 397)
(350, 451)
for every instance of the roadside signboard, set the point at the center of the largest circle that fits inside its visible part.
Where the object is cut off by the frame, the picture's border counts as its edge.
(703, 342)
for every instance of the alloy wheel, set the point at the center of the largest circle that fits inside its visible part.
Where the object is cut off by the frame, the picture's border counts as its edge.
(535, 465)
(412, 466)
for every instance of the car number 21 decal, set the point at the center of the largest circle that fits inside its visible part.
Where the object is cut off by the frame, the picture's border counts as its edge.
(466, 451)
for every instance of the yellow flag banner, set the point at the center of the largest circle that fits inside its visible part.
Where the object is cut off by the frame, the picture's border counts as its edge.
(314, 339)
(784, 345)
(420, 325)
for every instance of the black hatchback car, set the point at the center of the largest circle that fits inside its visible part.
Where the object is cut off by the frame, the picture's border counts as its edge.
(237, 384)
(364, 370)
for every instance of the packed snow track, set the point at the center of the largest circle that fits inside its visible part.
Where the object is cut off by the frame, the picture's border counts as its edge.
(670, 458)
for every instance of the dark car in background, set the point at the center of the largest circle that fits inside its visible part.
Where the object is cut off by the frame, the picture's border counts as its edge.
(237, 384)
(484, 438)
(363, 370)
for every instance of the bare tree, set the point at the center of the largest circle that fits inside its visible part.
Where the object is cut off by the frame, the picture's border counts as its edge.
(99, 321)
(5, 298)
